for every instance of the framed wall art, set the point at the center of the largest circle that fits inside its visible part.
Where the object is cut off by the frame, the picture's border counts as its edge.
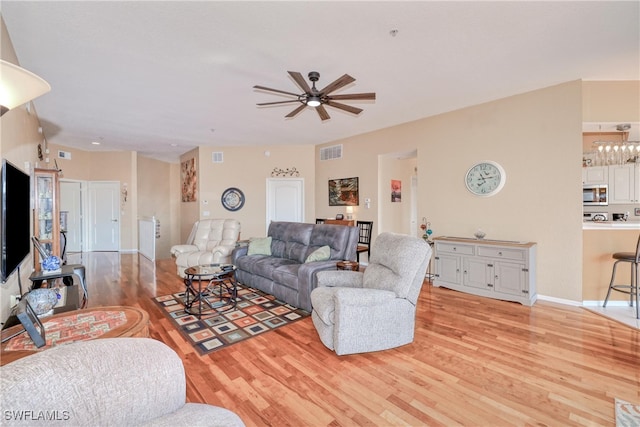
(189, 180)
(396, 191)
(343, 192)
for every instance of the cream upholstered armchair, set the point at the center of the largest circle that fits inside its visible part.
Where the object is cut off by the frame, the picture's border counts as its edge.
(211, 241)
(357, 312)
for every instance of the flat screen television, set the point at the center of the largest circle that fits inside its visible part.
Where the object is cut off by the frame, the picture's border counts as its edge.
(15, 218)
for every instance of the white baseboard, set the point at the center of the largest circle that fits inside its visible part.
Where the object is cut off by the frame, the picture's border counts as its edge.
(587, 303)
(616, 303)
(560, 300)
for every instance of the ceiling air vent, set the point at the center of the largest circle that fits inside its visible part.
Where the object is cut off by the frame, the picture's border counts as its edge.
(330, 153)
(217, 157)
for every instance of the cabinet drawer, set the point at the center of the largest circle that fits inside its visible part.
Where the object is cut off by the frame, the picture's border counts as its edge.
(453, 248)
(505, 253)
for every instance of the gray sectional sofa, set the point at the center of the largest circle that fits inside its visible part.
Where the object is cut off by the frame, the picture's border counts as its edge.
(282, 271)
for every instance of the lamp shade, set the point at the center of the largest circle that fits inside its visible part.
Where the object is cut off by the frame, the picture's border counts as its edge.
(349, 209)
(18, 86)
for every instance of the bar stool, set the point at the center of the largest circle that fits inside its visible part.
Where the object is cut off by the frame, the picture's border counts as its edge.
(632, 289)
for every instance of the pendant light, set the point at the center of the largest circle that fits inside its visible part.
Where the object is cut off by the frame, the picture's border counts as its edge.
(18, 86)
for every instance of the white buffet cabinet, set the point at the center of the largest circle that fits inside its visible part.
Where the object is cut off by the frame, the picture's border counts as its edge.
(490, 268)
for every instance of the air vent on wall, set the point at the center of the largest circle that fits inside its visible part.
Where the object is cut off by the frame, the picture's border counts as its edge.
(217, 157)
(330, 153)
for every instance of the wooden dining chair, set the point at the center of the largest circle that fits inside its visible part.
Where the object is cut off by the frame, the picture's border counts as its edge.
(364, 238)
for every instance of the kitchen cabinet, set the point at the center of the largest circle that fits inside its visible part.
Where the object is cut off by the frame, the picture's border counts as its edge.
(495, 269)
(595, 175)
(624, 184)
(46, 224)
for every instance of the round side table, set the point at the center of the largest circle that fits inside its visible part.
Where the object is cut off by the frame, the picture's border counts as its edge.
(347, 265)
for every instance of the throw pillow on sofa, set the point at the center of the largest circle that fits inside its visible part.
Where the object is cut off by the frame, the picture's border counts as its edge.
(261, 246)
(321, 254)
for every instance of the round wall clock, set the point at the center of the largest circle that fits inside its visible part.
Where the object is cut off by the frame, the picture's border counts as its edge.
(485, 178)
(232, 199)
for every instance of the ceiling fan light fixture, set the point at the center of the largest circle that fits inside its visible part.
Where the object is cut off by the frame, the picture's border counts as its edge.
(313, 101)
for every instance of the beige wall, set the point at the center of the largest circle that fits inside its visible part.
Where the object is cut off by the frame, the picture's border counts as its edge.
(248, 169)
(607, 101)
(155, 196)
(395, 216)
(115, 166)
(535, 136)
(19, 139)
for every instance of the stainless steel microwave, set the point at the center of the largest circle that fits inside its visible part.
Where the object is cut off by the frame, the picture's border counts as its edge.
(595, 195)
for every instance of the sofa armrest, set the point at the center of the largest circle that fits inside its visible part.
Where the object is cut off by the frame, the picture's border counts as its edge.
(359, 298)
(238, 251)
(223, 250)
(177, 250)
(341, 278)
(307, 280)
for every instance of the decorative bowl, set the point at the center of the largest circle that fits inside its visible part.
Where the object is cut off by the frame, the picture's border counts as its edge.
(51, 263)
(42, 300)
(479, 234)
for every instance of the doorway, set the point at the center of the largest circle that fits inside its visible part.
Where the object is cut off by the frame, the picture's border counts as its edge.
(93, 215)
(285, 200)
(104, 216)
(71, 215)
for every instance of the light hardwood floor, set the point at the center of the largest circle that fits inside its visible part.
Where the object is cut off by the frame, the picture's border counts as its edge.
(474, 362)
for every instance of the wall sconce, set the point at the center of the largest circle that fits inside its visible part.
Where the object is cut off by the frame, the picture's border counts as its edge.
(124, 193)
(349, 212)
(18, 86)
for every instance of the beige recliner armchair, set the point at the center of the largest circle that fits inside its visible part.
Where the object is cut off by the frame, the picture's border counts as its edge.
(104, 382)
(211, 241)
(357, 312)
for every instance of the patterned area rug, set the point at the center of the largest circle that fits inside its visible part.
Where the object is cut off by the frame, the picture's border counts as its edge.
(255, 313)
(71, 328)
(627, 414)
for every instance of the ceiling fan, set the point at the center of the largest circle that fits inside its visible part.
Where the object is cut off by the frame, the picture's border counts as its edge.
(312, 97)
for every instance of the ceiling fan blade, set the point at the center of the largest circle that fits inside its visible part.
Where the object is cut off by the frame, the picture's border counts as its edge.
(322, 113)
(300, 81)
(344, 107)
(337, 84)
(277, 102)
(296, 111)
(354, 96)
(275, 90)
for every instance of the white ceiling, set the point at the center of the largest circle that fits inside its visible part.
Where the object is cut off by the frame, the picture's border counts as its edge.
(161, 78)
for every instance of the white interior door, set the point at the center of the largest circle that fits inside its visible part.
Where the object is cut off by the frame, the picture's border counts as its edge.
(104, 216)
(285, 200)
(71, 203)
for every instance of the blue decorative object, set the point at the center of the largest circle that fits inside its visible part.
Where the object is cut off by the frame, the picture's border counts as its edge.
(51, 263)
(426, 229)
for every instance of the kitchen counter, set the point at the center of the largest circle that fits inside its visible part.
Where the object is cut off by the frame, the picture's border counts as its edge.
(598, 246)
(611, 225)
